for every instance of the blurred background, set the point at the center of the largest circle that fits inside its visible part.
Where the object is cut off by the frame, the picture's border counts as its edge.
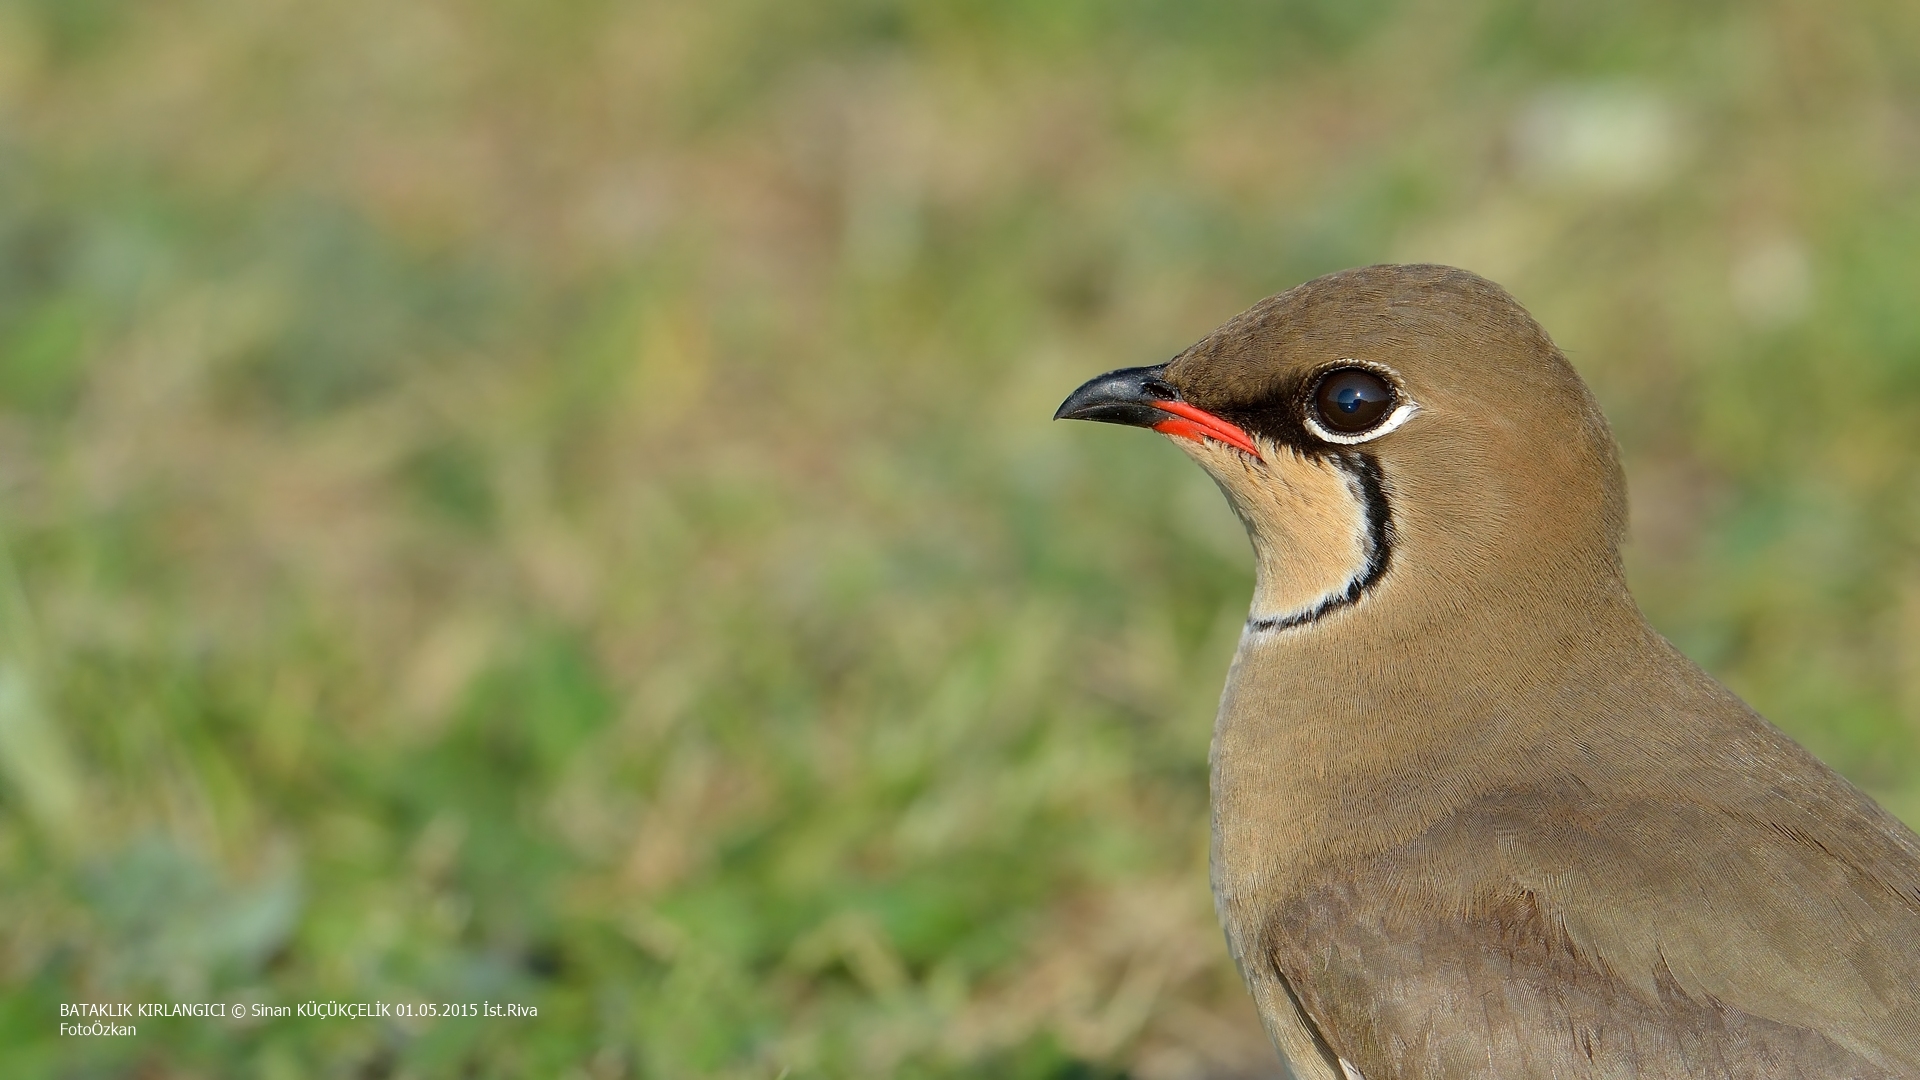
(555, 502)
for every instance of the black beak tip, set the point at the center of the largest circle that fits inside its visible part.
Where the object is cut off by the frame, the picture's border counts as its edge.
(1127, 396)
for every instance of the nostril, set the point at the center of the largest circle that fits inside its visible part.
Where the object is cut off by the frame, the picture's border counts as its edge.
(1160, 389)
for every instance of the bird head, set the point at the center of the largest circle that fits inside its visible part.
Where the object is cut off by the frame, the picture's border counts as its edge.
(1390, 428)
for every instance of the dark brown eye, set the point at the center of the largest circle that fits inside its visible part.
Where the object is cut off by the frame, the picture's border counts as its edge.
(1351, 400)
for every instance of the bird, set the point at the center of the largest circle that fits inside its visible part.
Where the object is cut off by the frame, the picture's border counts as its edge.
(1472, 815)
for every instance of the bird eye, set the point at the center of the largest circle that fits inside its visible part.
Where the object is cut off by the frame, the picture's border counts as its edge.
(1351, 400)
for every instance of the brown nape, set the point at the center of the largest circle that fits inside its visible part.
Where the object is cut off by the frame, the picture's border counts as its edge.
(1479, 819)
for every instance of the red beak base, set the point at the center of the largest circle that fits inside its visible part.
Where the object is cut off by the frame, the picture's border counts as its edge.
(1189, 422)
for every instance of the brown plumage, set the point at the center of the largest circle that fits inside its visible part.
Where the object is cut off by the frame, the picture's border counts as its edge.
(1473, 817)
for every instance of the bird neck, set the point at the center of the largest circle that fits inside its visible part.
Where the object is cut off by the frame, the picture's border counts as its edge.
(1342, 738)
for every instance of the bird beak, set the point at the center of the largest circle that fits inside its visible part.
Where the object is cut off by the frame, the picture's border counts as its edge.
(1139, 397)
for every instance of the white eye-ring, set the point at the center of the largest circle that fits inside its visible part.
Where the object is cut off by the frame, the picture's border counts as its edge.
(1400, 415)
(1355, 403)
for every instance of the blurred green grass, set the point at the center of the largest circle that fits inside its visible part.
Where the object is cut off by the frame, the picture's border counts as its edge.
(554, 502)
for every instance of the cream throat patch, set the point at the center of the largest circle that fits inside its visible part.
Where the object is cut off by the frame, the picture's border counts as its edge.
(1320, 525)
